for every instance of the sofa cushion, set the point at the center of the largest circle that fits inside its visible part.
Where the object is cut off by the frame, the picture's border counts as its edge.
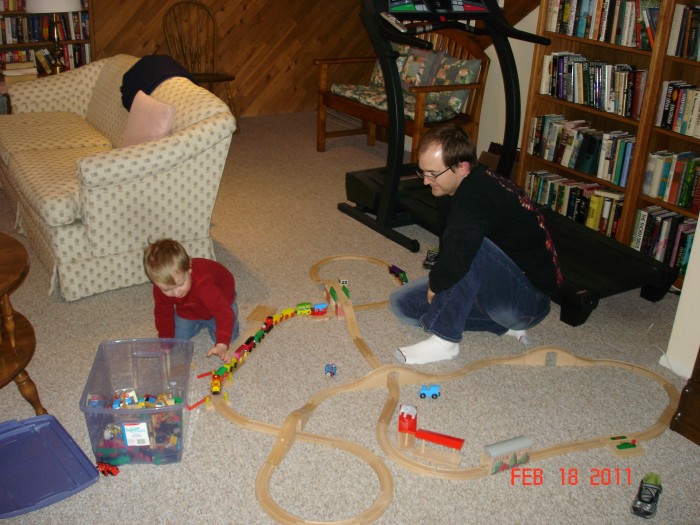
(105, 111)
(48, 183)
(376, 98)
(149, 119)
(377, 77)
(46, 132)
(419, 69)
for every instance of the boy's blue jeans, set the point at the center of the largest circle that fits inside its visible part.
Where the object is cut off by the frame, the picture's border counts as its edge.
(494, 296)
(188, 328)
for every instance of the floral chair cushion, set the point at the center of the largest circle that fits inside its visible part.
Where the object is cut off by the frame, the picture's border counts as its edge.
(420, 66)
(450, 71)
(376, 97)
(377, 78)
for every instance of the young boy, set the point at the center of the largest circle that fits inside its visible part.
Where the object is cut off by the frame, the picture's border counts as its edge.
(191, 294)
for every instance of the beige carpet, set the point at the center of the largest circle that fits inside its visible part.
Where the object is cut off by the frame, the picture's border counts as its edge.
(275, 217)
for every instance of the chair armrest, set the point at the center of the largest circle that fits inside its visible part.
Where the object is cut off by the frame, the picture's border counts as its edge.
(449, 87)
(325, 62)
(70, 91)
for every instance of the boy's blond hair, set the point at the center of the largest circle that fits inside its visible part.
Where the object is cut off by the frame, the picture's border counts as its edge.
(164, 258)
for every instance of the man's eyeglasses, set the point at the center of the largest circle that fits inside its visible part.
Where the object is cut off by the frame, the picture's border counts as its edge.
(423, 175)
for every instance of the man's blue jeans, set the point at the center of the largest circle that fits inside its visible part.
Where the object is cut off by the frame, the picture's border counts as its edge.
(188, 328)
(494, 296)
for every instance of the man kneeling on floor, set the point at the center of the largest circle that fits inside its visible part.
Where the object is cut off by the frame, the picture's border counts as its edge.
(497, 267)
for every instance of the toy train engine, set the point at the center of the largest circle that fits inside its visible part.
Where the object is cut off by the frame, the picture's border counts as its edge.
(398, 273)
(268, 324)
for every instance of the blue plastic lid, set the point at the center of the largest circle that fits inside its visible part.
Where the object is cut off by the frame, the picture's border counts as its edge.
(40, 464)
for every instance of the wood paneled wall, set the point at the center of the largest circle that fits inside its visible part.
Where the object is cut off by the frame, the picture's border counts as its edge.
(268, 45)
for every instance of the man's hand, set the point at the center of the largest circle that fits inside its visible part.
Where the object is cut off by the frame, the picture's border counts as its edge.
(222, 351)
(431, 294)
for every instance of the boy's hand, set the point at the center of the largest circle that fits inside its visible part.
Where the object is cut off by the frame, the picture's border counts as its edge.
(221, 350)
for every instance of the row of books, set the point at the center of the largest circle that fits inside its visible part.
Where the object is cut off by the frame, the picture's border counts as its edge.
(665, 235)
(16, 55)
(679, 108)
(20, 5)
(13, 5)
(35, 28)
(674, 177)
(606, 155)
(74, 55)
(630, 23)
(684, 39)
(613, 88)
(589, 203)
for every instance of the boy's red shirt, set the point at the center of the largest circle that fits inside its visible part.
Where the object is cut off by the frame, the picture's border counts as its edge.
(211, 295)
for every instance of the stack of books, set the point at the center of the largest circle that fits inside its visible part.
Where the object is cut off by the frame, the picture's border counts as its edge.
(14, 72)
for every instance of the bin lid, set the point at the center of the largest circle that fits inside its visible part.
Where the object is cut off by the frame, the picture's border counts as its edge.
(40, 464)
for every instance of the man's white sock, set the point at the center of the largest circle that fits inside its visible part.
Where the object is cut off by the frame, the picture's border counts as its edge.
(520, 335)
(428, 351)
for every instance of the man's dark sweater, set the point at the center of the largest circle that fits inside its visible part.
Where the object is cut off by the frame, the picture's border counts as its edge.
(487, 205)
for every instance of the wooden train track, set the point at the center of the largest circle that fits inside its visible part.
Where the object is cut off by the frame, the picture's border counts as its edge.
(391, 378)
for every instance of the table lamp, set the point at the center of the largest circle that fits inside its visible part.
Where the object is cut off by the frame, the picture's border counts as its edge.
(52, 7)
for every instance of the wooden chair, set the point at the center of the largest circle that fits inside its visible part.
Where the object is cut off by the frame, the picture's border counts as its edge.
(455, 43)
(190, 31)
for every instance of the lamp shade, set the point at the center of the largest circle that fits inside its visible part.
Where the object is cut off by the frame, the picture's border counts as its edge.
(52, 6)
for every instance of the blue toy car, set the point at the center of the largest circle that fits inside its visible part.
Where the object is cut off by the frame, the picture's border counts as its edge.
(331, 369)
(429, 391)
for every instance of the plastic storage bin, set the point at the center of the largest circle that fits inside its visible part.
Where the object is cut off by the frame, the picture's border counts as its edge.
(134, 399)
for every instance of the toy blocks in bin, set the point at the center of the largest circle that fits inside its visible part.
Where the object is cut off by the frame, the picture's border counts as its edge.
(134, 399)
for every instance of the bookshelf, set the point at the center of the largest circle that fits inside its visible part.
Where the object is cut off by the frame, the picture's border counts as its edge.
(639, 122)
(24, 34)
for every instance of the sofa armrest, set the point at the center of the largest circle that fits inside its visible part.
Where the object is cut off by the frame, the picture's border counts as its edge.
(70, 91)
(165, 187)
(124, 165)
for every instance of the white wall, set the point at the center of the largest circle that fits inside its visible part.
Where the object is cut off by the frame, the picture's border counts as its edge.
(685, 336)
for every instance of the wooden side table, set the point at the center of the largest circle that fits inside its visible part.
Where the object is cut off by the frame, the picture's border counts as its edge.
(17, 340)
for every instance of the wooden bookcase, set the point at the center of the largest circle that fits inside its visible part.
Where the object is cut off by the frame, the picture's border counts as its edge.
(6, 16)
(649, 137)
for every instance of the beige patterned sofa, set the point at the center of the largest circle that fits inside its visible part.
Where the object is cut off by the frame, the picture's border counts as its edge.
(87, 206)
